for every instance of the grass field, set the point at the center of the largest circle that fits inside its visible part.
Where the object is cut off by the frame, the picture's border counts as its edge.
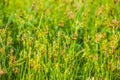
(59, 39)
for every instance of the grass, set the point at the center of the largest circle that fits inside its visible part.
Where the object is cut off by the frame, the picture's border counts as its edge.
(59, 39)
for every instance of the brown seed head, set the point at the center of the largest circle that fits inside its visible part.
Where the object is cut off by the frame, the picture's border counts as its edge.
(2, 72)
(22, 37)
(16, 70)
(115, 1)
(100, 10)
(98, 37)
(71, 15)
(115, 23)
(37, 11)
(74, 38)
(25, 57)
(61, 24)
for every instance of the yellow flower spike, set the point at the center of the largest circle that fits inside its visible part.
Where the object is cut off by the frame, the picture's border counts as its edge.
(11, 50)
(33, 5)
(37, 45)
(2, 50)
(57, 66)
(2, 33)
(36, 67)
(31, 76)
(113, 43)
(74, 38)
(95, 57)
(9, 40)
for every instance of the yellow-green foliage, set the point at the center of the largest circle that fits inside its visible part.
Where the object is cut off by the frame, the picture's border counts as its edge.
(59, 39)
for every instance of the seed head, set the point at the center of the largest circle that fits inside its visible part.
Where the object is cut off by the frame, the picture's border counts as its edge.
(98, 37)
(22, 37)
(115, 23)
(2, 72)
(61, 24)
(71, 15)
(100, 10)
(115, 1)
(16, 70)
